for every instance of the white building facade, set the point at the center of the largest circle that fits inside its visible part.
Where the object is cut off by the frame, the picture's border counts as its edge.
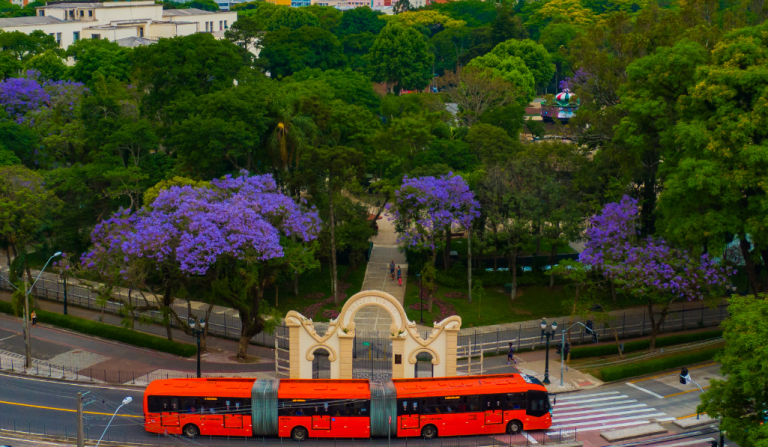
(133, 21)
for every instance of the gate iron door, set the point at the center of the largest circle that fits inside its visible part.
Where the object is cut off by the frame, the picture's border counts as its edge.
(321, 365)
(424, 366)
(372, 356)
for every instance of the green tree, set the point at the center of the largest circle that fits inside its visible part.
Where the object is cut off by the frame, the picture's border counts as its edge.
(292, 18)
(205, 5)
(449, 46)
(533, 55)
(506, 25)
(491, 144)
(220, 131)
(10, 66)
(99, 55)
(741, 400)
(476, 91)
(511, 69)
(329, 16)
(197, 64)
(350, 86)
(356, 48)
(49, 64)
(401, 57)
(23, 46)
(292, 132)
(288, 51)
(360, 20)
(475, 13)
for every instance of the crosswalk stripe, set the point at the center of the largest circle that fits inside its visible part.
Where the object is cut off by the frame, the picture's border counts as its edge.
(530, 438)
(603, 421)
(575, 407)
(599, 410)
(680, 444)
(589, 400)
(604, 427)
(644, 390)
(606, 415)
(581, 396)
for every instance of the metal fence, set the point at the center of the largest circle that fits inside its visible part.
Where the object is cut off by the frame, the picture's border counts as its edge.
(632, 323)
(133, 432)
(219, 323)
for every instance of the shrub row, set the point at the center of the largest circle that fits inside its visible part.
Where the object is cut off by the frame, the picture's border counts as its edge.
(110, 332)
(613, 373)
(608, 349)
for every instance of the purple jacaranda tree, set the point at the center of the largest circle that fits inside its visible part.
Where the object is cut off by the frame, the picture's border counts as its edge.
(426, 209)
(227, 233)
(18, 96)
(648, 268)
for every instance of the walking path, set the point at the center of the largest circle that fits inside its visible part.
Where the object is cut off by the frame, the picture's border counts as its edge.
(377, 277)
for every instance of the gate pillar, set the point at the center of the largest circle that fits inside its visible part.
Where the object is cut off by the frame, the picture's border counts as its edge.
(451, 349)
(398, 357)
(345, 355)
(294, 346)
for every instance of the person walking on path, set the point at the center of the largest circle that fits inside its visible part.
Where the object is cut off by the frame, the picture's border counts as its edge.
(392, 269)
(399, 276)
(34, 318)
(511, 354)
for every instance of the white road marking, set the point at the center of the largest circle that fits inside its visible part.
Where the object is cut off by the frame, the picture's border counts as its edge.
(603, 427)
(530, 438)
(575, 407)
(603, 421)
(6, 338)
(643, 389)
(599, 410)
(607, 415)
(589, 400)
(581, 396)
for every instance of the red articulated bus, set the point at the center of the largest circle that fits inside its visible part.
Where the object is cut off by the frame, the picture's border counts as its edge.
(301, 409)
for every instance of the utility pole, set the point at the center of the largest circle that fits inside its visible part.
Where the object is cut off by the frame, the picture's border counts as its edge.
(27, 329)
(80, 437)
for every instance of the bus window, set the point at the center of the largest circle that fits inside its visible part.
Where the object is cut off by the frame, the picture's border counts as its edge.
(538, 403)
(516, 401)
(473, 403)
(190, 404)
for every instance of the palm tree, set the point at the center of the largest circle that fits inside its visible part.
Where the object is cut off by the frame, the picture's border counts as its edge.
(293, 132)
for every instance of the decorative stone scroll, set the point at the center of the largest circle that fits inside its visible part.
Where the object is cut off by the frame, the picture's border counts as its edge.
(406, 340)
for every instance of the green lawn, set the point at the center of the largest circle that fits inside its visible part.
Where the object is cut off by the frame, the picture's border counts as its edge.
(460, 247)
(532, 302)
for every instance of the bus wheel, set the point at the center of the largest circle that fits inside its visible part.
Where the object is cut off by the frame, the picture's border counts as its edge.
(429, 432)
(299, 434)
(514, 427)
(191, 431)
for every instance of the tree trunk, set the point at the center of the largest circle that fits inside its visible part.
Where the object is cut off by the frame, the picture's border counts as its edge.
(334, 273)
(764, 255)
(656, 325)
(469, 264)
(495, 249)
(552, 266)
(167, 305)
(8, 253)
(203, 344)
(618, 346)
(613, 291)
(447, 250)
(570, 322)
(749, 264)
(513, 267)
(295, 283)
(277, 293)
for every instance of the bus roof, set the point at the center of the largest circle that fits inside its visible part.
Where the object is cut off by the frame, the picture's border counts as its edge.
(466, 385)
(323, 389)
(211, 387)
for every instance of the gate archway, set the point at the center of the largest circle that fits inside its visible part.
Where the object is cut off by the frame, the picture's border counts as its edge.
(340, 341)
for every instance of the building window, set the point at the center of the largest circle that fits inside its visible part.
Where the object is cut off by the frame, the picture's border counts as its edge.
(90, 13)
(95, 36)
(221, 25)
(58, 38)
(82, 13)
(141, 31)
(41, 13)
(76, 36)
(225, 25)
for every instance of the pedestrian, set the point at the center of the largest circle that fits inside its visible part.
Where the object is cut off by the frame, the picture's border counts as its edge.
(392, 269)
(34, 318)
(399, 276)
(511, 354)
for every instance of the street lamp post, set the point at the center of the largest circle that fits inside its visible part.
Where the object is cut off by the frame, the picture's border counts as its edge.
(198, 332)
(421, 298)
(28, 345)
(126, 401)
(548, 334)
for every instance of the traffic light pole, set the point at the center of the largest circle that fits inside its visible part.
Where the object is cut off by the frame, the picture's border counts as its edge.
(562, 350)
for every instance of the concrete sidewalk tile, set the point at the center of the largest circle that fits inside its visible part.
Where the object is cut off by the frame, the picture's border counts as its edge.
(633, 432)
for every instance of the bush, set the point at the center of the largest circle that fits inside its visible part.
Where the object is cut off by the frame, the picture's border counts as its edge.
(651, 366)
(608, 349)
(110, 332)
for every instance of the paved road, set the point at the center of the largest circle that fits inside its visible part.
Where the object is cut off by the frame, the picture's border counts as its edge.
(30, 401)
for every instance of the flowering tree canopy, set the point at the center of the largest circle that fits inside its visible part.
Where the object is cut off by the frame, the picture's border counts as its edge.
(646, 266)
(241, 217)
(426, 206)
(19, 96)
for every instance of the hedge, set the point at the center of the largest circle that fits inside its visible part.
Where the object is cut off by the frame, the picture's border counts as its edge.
(609, 349)
(651, 366)
(110, 332)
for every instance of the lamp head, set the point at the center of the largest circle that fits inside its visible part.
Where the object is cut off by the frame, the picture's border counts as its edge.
(543, 324)
(554, 325)
(58, 253)
(191, 323)
(202, 324)
(127, 400)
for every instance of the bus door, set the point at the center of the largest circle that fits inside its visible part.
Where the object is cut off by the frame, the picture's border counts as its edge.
(322, 420)
(233, 418)
(170, 413)
(408, 413)
(493, 407)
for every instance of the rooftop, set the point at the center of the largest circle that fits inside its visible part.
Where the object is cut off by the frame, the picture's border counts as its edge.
(23, 21)
(134, 41)
(88, 5)
(186, 12)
